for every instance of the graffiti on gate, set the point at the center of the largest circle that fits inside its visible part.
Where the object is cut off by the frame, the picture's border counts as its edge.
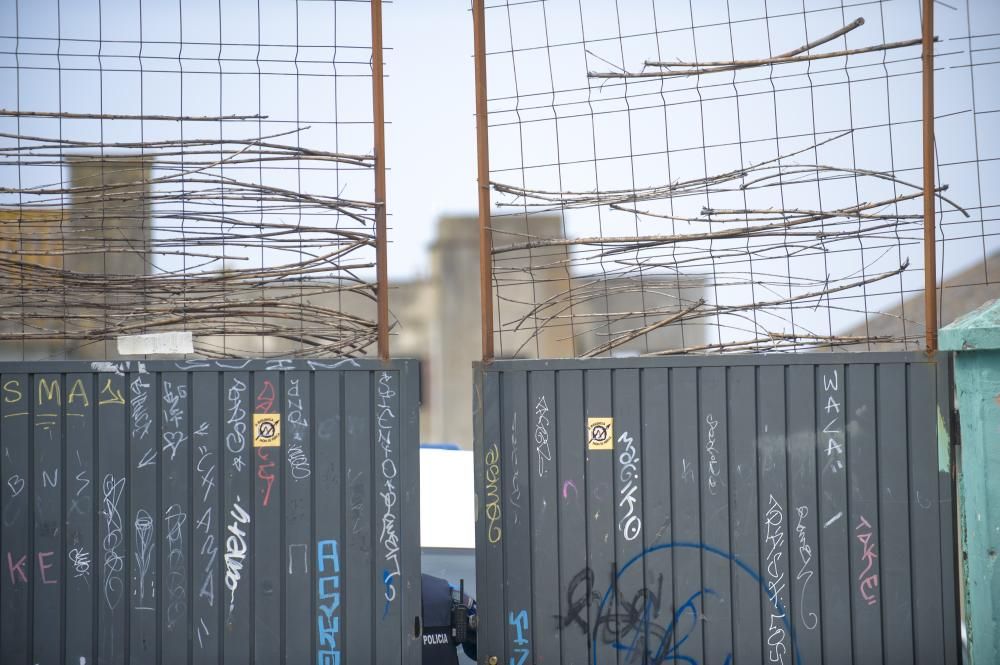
(641, 626)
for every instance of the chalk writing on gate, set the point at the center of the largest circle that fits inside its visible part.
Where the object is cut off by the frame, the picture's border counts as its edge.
(78, 503)
(867, 579)
(236, 438)
(774, 541)
(78, 392)
(542, 447)
(806, 569)
(294, 549)
(493, 511)
(42, 567)
(176, 573)
(114, 562)
(144, 545)
(236, 550)
(714, 467)
(80, 558)
(12, 392)
(208, 551)
(833, 431)
(388, 538)
(266, 474)
(266, 397)
(201, 632)
(631, 523)
(50, 480)
(515, 478)
(18, 568)
(206, 471)
(16, 484)
(173, 415)
(328, 612)
(356, 488)
(142, 420)
(298, 460)
(47, 405)
(111, 394)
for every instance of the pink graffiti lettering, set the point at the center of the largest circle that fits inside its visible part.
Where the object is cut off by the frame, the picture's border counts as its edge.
(42, 567)
(867, 588)
(19, 567)
(265, 398)
(565, 490)
(867, 583)
(265, 473)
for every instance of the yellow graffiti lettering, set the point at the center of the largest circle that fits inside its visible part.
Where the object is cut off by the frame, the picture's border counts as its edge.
(111, 395)
(78, 391)
(493, 532)
(11, 388)
(50, 391)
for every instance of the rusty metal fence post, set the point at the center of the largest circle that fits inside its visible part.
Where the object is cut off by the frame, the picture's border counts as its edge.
(483, 162)
(378, 129)
(930, 247)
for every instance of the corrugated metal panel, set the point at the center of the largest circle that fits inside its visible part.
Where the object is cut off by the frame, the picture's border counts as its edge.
(145, 518)
(749, 509)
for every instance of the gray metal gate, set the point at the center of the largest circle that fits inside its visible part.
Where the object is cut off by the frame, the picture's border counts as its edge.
(746, 509)
(210, 511)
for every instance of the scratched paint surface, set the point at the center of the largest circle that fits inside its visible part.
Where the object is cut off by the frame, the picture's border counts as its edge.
(751, 510)
(140, 523)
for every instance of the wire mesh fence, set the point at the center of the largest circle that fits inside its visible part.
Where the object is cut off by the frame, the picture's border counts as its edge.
(672, 177)
(183, 165)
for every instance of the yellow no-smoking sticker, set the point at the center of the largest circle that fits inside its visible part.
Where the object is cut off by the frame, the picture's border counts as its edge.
(600, 433)
(266, 430)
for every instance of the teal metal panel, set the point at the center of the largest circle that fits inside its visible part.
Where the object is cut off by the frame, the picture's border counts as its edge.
(976, 340)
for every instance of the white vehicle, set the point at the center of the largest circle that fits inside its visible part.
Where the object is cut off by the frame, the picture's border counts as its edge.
(448, 517)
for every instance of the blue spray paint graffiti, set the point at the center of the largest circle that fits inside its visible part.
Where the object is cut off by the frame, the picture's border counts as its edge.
(644, 646)
(671, 639)
(522, 647)
(390, 591)
(328, 618)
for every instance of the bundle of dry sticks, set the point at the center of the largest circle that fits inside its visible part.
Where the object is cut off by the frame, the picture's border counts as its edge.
(215, 236)
(733, 255)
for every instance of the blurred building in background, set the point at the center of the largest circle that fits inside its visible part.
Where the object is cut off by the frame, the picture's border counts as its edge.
(960, 293)
(440, 314)
(92, 237)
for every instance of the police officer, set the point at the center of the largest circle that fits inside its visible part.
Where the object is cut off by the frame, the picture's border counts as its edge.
(445, 622)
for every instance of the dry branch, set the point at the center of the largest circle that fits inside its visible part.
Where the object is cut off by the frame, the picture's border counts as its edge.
(119, 116)
(179, 226)
(680, 68)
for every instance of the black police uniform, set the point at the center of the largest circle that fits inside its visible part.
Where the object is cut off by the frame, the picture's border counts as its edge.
(436, 608)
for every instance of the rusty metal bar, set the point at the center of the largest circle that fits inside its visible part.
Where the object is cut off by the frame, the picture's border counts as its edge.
(930, 241)
(483, 159)
(378, 118)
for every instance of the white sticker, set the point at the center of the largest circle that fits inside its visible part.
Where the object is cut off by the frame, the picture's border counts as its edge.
(172, 343)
